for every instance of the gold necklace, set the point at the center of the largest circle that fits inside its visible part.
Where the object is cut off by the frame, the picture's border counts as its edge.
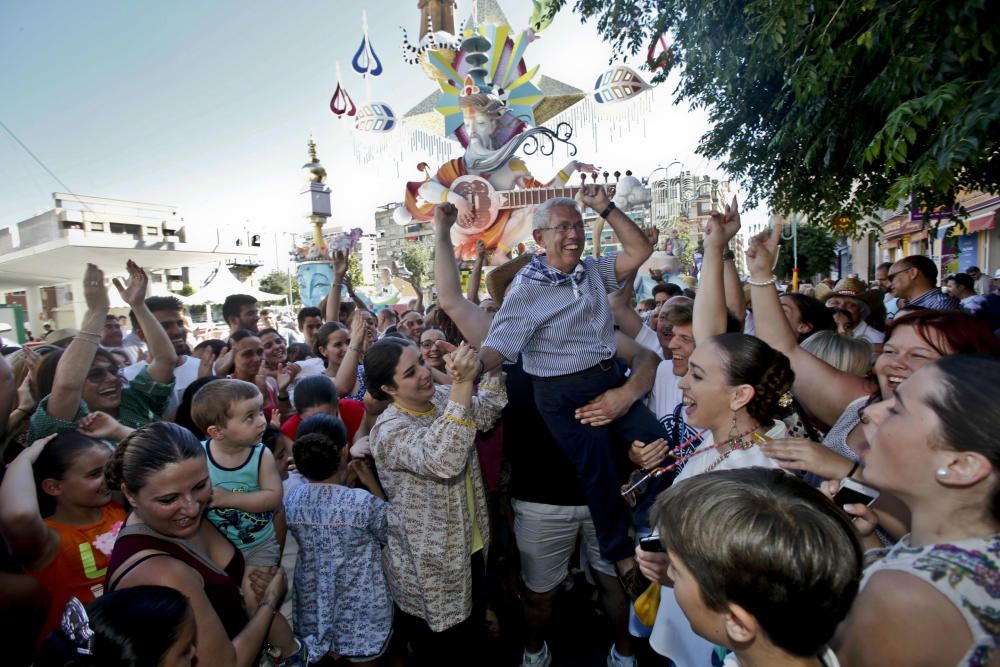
(737, 443)
(417, 413)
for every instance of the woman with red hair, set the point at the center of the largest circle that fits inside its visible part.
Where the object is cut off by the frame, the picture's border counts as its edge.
(915, 339)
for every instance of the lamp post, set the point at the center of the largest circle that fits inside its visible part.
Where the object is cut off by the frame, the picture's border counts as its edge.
(794, 237)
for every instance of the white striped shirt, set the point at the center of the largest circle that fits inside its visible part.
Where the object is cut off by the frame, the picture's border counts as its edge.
(557, 324)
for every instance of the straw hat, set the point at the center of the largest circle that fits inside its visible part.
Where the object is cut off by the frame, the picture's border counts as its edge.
(849, 287)
(500, 277)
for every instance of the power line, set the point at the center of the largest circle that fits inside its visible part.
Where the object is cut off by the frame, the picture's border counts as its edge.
(58, 180)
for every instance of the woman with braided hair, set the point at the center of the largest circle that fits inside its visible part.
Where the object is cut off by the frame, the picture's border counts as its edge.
(735, 389)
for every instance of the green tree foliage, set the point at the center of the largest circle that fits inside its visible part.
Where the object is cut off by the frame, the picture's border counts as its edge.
(831, 107)
(354, 268)
(416, 258)
(276, 282)
(817, 250)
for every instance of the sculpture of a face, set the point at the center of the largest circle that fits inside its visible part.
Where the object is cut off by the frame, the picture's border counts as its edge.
(314, 282)
(480, 128)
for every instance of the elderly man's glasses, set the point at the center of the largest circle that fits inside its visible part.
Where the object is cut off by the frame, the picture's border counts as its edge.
(566, 229)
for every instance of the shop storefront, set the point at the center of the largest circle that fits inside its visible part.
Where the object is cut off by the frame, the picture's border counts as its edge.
(902, 237)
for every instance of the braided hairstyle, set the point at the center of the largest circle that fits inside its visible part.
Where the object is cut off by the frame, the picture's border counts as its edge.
(148, 450)
(749, 360)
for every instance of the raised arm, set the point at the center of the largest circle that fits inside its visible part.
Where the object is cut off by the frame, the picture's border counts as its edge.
(636, 247)
(821, 389)
(735, 302)
(622, 307)
(471, 320)
(347, 373)
(73, 366)
(8, 393)
(27, 536)
(442, 449)
(333, 296)
(476, 276)
(161, 350)
(358, 303)
(710, 306)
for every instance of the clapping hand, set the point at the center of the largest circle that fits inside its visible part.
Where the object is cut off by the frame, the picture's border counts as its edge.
(722, 227)
(94, 291)
(287, 373)
(102, 426)
(762, 254)
(462, 364)
(339, 261)
(133, 292)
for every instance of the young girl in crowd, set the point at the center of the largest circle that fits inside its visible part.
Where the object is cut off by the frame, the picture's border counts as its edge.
(342, 603)
(342, 351)
(248, 365)
(58, 517)
(145, 626)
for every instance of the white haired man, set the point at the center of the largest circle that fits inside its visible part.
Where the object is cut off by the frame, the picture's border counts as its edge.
(557, 318)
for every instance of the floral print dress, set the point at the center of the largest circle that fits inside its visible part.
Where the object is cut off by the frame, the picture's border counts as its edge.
(967, 572)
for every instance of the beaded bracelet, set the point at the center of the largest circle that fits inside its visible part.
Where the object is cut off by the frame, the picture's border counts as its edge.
(765, 283)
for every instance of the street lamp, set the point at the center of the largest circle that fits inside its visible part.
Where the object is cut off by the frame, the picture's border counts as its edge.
(794, 238)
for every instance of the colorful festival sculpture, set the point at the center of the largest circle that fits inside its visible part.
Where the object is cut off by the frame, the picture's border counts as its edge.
(488, 101)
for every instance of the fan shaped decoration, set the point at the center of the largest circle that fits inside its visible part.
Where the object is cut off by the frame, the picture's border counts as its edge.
(618, 84)
(375, 117)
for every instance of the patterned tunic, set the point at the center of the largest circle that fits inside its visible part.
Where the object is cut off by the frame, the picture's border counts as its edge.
(967, 572)
(423, 462)
(342, 603)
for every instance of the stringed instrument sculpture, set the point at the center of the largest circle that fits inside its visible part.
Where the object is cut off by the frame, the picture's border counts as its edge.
(485, 203)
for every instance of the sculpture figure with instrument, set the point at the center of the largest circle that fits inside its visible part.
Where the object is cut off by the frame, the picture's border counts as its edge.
(491, 187)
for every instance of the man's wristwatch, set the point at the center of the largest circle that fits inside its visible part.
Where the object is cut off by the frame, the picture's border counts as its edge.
(606, 212)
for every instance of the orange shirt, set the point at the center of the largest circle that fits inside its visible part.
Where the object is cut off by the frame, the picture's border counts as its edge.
(79, 567)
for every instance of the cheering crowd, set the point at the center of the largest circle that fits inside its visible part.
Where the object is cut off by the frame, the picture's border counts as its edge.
(745, 476)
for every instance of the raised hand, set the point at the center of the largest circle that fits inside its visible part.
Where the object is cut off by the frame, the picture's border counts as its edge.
(445, 215)
(206, 357)
(34, 450)
(762, 253)
(480, 248)
(134, 291)
(722, 227)
(102, 426)
(25, 398)
(94, 291)
(463, 364)
(339, 261)
(286, 374)
(595, 197)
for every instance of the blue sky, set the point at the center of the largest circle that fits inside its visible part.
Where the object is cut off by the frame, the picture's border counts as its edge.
(209, 105)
